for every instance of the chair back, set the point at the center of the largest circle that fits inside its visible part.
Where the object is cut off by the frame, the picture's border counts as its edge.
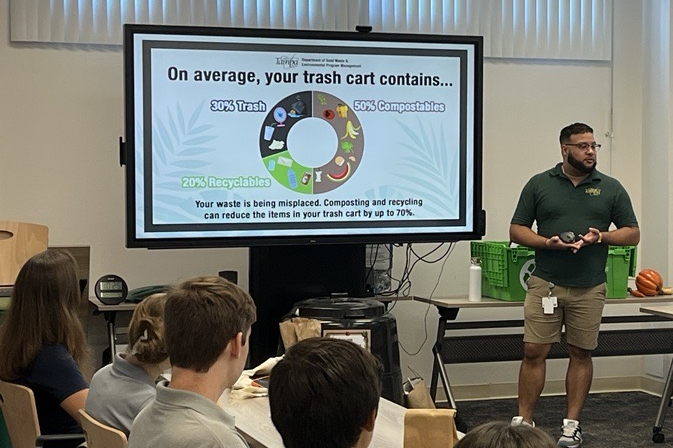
(18, 407)
(99, 435)
(18, 242)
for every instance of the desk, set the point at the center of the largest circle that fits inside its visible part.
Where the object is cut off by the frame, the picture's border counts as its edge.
(657, 436)
(253, 420)
(509, 347)
(110, 314)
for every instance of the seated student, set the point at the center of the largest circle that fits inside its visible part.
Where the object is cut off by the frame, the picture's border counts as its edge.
(504, 435)
(120, 390)
(207, 324)
(42, 343)
(325, 393)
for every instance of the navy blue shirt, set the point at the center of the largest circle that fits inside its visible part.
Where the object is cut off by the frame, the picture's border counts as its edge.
(54, 377)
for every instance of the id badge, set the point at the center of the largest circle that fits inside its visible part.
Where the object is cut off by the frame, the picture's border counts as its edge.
(548, 304)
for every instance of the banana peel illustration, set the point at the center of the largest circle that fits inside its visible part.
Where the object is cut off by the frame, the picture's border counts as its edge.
(351, 131)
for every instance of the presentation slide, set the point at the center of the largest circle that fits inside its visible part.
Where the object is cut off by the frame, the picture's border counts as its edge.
(250, 137)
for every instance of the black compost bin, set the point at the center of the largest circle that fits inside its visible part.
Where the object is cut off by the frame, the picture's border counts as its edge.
(364, 320)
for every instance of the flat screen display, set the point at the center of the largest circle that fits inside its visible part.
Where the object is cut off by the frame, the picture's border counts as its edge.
(243, 137)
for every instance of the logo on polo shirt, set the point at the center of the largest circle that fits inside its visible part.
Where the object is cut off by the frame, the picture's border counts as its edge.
(593, 191)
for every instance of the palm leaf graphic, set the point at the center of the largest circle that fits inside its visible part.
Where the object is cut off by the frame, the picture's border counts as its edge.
(179, 141)
(429, 169)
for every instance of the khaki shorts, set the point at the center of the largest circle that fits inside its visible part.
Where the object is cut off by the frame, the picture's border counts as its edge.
(579, 309)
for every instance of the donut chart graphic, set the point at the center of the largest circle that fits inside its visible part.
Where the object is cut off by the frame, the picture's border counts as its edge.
(277, 156)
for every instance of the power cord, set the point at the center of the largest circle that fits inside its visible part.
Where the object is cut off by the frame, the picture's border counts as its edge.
(425, 259)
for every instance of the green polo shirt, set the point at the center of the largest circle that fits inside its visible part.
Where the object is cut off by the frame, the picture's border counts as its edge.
(552, 201)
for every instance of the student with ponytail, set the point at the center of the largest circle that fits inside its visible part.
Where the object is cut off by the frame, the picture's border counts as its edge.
(120, 390)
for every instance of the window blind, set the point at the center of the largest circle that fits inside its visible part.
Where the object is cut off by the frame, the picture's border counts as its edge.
(547, 29)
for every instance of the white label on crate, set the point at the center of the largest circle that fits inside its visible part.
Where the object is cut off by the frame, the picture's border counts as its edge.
(526, 271)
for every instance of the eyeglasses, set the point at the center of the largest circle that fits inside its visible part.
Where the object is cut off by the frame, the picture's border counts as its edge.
(585, 146)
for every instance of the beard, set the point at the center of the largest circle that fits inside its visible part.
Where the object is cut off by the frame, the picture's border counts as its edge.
(579, 166)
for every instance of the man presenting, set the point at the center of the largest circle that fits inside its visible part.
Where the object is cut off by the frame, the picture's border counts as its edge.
(573, 205)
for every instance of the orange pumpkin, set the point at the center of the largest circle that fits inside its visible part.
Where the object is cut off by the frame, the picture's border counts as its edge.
(649, 282)
(654, 276)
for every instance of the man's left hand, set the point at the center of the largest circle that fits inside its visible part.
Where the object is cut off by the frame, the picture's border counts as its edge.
(590, 237)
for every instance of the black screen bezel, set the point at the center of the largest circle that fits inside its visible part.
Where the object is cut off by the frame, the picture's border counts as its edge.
(128, 148)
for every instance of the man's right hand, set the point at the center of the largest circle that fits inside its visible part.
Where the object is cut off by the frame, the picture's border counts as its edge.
(555, 243)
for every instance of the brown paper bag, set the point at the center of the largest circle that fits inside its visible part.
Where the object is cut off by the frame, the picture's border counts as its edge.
(298, 329)
(430, 428)
(417, 395)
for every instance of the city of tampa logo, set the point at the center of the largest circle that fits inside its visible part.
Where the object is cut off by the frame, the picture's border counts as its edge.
(593, 191)
(288, 61)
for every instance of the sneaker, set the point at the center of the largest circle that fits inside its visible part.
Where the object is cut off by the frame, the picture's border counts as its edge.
(518, 420)
(572, 434)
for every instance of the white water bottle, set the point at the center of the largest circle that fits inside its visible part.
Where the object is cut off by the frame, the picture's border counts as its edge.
(474, 290)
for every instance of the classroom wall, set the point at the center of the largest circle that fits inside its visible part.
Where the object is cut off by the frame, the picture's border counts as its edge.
(657, 185)
(525, 105)
(61, 114)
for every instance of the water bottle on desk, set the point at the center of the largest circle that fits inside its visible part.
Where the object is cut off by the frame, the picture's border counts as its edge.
(474, 289)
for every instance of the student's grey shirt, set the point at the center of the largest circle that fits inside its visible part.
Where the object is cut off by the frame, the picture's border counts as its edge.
(118, 392)
(178, 418)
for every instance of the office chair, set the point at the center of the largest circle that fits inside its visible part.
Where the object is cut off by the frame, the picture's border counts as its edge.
(99, 435)
(18, 407)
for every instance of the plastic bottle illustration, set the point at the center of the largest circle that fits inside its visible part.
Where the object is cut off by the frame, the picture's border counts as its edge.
(292, 178)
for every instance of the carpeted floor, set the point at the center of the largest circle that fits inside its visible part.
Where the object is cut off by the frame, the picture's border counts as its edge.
(609, 420)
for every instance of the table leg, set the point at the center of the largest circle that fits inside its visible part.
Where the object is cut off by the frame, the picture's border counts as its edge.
(435, 371)
(445, 314)
(110, 317)
(657, 435)
(439, 365)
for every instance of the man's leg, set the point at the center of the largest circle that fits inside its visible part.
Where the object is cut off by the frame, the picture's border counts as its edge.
(578, 380)
(583, 321)
(532, 378)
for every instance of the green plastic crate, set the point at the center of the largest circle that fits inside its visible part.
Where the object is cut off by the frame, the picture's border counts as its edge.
(621, 264)
(505, 270)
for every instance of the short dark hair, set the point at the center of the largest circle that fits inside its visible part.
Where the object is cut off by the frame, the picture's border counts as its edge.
(504, 435)
(323, 392)
(572, 129)
(201, 317)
